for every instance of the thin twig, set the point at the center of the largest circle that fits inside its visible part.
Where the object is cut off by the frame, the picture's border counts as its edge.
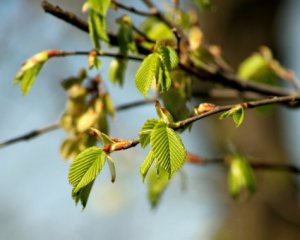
(138, 31)
(246, 105)
(132, 9)
(197, 160)
(30, 135)
(58, 53)
(40, 131)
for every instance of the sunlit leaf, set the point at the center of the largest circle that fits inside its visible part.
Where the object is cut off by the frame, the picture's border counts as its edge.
(170, 57)
(85, 167)
(156, 29)
(195, 38)
(237, 113)
(117, 71)
(97, 28)
(240, 176)
(146, 130)
(29, 71)
(99, 6)
(157, 183)
(82, 195)
(167, 148)
(258, 67)
(146, 165)
(147, 73)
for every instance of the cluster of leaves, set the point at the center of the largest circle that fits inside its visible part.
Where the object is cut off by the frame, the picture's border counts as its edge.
(88, 105)
(156, 68)
(88, 164)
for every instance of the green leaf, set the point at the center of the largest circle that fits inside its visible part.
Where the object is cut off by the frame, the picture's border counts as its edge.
(146, 130)
(170, 57)
(117, 71)
(146, 165)
(240, 176)
(157, 183)
(125, 35)
(237, 113)
(167, 148)
(147, 73)
(99, 6)
(156, 29)
(29, 71)
(164, 78)
(259, 67)
(97, 28)
(238, 116)
(85, 167)
(83, 195)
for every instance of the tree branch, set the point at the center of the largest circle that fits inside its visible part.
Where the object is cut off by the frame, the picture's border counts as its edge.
(197, 160)
(246, 105)
(59, 53)
(132, 9)
(40, 131)
(30, 135)
(225, 79)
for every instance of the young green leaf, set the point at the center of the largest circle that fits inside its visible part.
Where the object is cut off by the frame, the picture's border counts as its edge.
(259, 67)
(157, 183)
(100, 7)
(83, 195)
(156, 29)
(97, 28)
(164, 78)
(85, 167)
(170, 57)
(237, 113)
(146, 130)
(238, 116)
(117, 71)
(147, 73)
(240, 176)
(146, 165)
(167, 148)
(30, 69)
